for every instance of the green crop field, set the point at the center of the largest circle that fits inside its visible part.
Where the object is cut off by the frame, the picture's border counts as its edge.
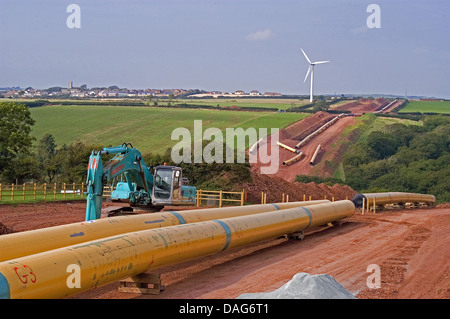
(280, 104)
(427, 107)
(148, 128)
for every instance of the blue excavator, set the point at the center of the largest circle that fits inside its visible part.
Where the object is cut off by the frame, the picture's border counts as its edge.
(137, 186)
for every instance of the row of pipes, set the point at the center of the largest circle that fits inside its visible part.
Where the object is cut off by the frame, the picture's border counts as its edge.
(305, 140)
(61, 261)
(319, 130)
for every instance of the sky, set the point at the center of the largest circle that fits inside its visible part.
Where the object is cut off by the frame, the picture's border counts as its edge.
(229, 45)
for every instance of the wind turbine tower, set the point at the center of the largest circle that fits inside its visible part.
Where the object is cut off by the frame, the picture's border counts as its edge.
(311, 70)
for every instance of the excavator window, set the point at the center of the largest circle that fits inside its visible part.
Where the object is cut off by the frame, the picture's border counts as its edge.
(163, 183)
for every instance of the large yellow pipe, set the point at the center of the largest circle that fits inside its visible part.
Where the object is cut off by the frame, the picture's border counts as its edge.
(66, 271)
(31, 242)
(393, 198)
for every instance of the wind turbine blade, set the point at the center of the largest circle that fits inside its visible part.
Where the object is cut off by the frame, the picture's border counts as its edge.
(309, 61)
(307, 73)
(320, 62)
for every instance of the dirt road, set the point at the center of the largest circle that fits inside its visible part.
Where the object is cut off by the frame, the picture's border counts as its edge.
(412, 248)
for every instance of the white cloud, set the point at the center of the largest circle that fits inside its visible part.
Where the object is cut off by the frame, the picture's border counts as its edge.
(260, 35)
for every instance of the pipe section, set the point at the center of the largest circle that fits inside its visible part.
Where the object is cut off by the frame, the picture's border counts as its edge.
(393, 198)
(70, 270)
(293, 159)
(293, 150)
(34, 241)
(313, 158)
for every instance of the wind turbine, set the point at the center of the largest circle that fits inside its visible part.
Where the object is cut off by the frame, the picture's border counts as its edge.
(311, 70)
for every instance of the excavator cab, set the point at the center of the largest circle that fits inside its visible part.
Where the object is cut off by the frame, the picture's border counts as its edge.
(169, 187)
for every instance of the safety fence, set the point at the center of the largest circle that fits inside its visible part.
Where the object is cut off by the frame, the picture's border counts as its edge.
(285, 198)
(46, 191)
(220, 198)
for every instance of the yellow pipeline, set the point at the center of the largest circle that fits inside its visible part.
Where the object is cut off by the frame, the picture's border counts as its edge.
(66, 271)
(313, 158)
(393, 198)
(288, 147)
(31, 242)
(293, 159)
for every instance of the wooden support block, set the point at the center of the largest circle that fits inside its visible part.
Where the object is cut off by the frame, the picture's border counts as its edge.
(297, 235)
(146, 283)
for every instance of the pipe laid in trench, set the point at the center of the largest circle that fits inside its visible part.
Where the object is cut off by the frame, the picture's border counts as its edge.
(293, 159)
(35, 241)
(70, 270)
(293, 150)
(313, 158)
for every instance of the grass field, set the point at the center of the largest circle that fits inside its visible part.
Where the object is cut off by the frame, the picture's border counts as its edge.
(427, 107)
(280, 104)
(148, 128)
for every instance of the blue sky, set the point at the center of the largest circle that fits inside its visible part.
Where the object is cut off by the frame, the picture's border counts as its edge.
(229, 45)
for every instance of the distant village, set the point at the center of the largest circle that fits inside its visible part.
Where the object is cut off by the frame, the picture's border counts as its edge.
(115, 92)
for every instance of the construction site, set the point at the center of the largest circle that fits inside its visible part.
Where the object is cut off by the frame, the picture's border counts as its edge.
(190, 252)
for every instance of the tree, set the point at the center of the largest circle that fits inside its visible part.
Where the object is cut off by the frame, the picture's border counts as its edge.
(15, 128)
(321, 105)
(46, 150)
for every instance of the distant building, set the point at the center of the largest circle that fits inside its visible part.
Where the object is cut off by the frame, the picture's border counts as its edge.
(255, 92)
(70, 84)
(272, 94)
(239, 92)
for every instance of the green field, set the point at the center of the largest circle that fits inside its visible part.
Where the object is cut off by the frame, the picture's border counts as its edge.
(280, 104)
(148, 128)
(427, 107)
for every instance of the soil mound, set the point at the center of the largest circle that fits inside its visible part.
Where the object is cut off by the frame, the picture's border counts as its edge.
(275, 187)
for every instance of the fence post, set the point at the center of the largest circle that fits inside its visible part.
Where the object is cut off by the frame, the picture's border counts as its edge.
(34, 191)
(265, 198)
(363, 203)
(64, 190)
(12, 191)
(82, 189)
(198, 197)
(73, 188)
(54, 190)
(23, 191)
(45, 190)
(242, 196)
(0, 191)
(220, 198)
(304, 197)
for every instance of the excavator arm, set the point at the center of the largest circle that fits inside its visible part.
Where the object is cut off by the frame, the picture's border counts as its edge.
(128, 161)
